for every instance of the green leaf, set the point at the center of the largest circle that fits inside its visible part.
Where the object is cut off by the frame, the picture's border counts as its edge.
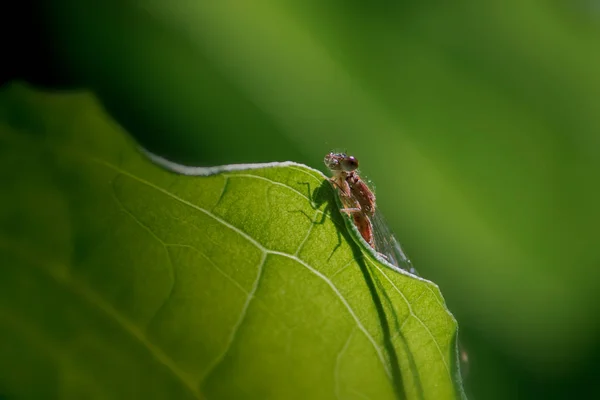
(120, 279)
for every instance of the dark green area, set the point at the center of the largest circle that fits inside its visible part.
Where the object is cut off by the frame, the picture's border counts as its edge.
(477, 121)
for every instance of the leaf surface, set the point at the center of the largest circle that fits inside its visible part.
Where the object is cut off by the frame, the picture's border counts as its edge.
(120, 279)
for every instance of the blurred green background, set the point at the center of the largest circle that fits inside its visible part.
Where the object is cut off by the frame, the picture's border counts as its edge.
(478, 122)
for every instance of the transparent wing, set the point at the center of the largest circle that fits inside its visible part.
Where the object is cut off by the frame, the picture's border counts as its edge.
(387, 244)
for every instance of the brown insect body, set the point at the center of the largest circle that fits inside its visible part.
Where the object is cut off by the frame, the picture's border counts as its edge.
(359, 203)
(358, 199)
(361, 193)
(366, 201)
(365, 227)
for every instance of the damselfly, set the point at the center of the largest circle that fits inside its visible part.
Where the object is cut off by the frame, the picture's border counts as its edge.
(359, 203)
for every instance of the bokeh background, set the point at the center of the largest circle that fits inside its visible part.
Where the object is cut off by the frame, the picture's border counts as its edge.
(478, 122)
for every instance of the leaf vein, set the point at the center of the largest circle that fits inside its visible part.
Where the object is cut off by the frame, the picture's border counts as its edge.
(306, 237)
(239, 322)
(282, 185)
(155, 236)
(344, 302)
(338, 361)
(411, 311)
(85, 292)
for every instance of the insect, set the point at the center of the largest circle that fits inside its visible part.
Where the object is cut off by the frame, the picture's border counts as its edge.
(357, 198)
(359, 203)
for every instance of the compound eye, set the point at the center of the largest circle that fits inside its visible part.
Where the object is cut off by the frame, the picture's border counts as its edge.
(349, 164)
(332, 162)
